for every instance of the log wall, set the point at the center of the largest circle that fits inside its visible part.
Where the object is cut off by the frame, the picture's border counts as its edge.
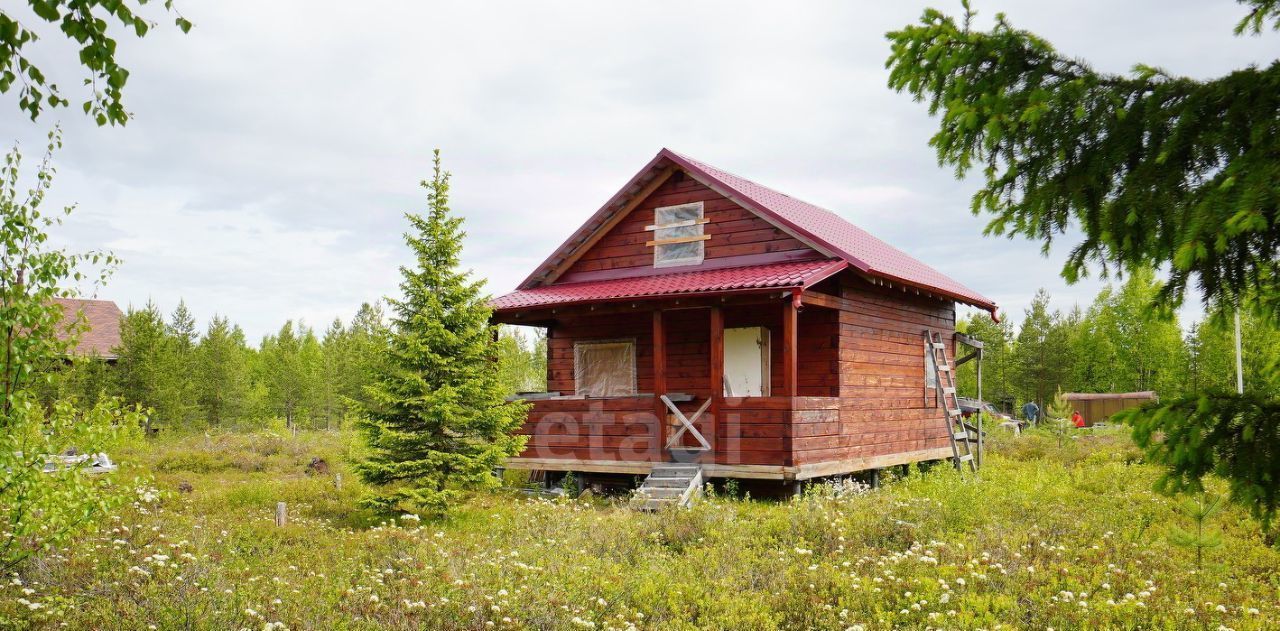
(884, 406)
(734, 230)
(861, 384)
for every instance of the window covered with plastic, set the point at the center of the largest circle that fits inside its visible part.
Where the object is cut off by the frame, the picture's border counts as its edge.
(678, 235)
(930, 371)
(605, 369)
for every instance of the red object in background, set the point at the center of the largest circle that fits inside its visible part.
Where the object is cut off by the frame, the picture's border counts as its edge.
(1077, 419)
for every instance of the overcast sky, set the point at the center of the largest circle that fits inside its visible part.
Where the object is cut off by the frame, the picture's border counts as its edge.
(275, 148)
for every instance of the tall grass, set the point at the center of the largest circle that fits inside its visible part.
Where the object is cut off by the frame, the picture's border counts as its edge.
(1047, 536)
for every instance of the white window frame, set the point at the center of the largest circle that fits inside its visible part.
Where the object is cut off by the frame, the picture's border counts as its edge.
(578, 366)
(658, 226)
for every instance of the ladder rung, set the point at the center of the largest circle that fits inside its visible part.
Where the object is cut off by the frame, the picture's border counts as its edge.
(944, 367)
(962, 436)
(951, 412)
(946, 390)
(966, 457)
(941, 345)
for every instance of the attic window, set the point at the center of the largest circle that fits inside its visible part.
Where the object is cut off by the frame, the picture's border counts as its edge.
(678, 238)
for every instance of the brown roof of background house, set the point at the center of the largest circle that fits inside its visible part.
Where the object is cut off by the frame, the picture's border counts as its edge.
(102, 320)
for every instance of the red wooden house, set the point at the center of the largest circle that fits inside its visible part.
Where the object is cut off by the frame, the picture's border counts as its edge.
(791, 342)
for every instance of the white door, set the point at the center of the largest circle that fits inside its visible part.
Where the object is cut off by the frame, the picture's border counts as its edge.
(746, 362)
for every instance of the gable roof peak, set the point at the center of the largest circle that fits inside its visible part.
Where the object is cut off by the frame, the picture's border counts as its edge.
(821, 229)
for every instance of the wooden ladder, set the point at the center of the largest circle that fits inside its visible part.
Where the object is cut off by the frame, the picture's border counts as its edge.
(963, 440)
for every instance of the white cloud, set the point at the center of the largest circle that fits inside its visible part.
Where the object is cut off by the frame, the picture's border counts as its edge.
(277, 145)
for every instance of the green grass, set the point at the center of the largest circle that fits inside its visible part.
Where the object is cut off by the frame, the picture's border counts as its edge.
(1066, 538)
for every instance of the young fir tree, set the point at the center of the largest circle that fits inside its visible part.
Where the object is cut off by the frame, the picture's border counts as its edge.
(1040, 353)
(335, 362)
(143, 371)
(182, 325)
(221, 372)
(180, 364)
(291, 370)
(438, 421)
(1059, 415)
(368, 339)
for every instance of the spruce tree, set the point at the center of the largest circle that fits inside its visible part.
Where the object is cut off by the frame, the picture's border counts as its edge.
(1153, 170)
(182, 325)
(438, 421)
(291, 369)
(1041, 351)
(143, 368)
(180, 365)
(1059, 416)
(336, 363)
(221, 373)
(369, 338)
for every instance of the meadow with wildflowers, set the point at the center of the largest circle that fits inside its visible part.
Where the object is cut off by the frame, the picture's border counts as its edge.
(1047, 537)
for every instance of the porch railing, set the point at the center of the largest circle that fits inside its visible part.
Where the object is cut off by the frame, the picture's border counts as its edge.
(686, 426)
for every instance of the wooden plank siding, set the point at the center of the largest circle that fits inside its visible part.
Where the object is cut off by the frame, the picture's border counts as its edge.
(751, 430)
(621, 428)
(884, 406)
(688, 346)
(861, 399)
(734, 231)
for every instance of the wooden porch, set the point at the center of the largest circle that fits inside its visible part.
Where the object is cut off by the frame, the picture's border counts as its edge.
(799, 428)
(753, 437)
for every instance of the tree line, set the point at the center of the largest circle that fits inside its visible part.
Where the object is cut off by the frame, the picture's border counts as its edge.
(1116, 344)
(194, 379)
(197, 379)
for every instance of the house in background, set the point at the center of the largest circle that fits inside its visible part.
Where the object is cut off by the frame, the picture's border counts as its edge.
(704, 319)
(100, 335)
(1098, 407)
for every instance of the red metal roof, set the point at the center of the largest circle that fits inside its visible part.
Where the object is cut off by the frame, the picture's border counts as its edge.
(816, 226)
(101, 335)
(791, 275)
(833, 233)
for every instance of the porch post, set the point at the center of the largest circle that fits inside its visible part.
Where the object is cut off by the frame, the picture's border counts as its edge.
(789, 376)
(981, 407)
(660, 378)
(717, 362)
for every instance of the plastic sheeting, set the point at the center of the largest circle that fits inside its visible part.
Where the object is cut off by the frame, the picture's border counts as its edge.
(930, 375)
(605, 369)
(674, 253)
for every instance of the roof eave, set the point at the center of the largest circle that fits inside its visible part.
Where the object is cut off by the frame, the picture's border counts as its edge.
(649, 296)
(985, 305)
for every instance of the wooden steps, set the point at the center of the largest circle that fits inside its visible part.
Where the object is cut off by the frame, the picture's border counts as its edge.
(670, 485)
